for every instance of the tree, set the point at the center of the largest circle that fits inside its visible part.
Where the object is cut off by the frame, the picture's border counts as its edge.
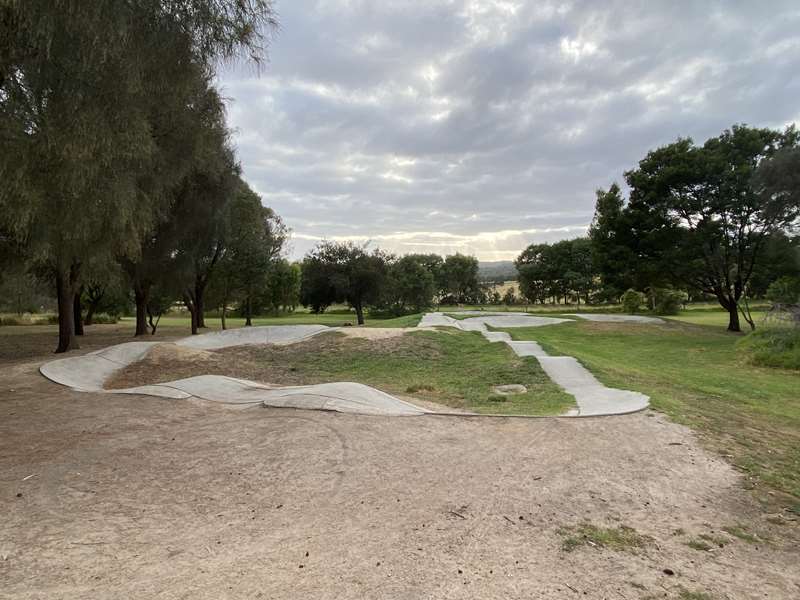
(343, 272)
(412, 284)
(80, 85)
(534, 272)
(282, 291)
(557, 270)
(707, 212)
(612, 252)
(460, 275)
(255, 240)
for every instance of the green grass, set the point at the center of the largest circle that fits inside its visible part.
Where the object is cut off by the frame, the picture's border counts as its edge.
(715, 317)
(775, 346)
(454, 368)
(695, 374)
(699, 545)
(740, 531)
(334, 319)
(620, 538)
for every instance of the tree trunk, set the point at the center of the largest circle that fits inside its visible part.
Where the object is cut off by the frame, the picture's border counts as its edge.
(90, 310)
(94, 295)
(192, 307)
(224, 313)
(248, 307)
(733, 316)
(140, 295)
(199, 302)
(78, 317)
(65, 293)
(359, 313)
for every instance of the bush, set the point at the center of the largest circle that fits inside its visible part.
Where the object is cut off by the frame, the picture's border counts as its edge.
(632, 301)
(668, 301)
(785, 290)
(773, 347)
(104, 319)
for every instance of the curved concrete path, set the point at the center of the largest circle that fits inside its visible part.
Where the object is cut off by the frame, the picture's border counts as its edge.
(591, 396)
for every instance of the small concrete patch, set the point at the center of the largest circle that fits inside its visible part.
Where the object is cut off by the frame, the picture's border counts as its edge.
(616, 318)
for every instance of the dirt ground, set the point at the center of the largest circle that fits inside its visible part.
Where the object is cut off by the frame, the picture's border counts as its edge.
(107, 496)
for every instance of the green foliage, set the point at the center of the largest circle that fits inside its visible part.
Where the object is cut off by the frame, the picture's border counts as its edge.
(773, 347)
(702, 214)
(556, 270)
(459, 275)
(411, 285)
(632, 301)
(100, 108)
(343, 272)
(785, 290)
(667, 301)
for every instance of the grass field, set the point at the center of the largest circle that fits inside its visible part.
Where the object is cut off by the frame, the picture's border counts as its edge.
(454, 368)
(696, 374)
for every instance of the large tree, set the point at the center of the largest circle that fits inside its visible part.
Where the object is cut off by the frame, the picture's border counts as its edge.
(343, 272)
(81, 85)
(460, 276)
(707, 212)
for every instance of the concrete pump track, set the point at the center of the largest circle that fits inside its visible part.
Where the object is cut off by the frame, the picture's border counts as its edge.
(90, 372)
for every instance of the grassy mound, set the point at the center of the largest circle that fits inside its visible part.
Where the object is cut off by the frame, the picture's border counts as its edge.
(773, 347)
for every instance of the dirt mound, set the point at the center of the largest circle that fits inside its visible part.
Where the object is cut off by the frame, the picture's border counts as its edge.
(164, 362)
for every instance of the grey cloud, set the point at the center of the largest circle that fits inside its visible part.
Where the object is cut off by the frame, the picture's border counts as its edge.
(445, 125)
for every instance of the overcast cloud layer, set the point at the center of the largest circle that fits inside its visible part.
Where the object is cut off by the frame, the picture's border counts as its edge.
(482, 126)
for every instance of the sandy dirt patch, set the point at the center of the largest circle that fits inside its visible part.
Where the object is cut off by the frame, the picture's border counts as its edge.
(107, 496)
(380, 333)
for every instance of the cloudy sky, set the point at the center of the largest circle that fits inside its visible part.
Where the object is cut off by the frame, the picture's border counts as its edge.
(481, 126)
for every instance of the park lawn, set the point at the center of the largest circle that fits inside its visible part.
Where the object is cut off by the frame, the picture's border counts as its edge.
(716, 317)
(454, 368)
(696, 375)
(335, 319)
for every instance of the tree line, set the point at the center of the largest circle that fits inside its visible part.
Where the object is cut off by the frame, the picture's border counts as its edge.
(713, 221)
(117, 157)
(336, 272)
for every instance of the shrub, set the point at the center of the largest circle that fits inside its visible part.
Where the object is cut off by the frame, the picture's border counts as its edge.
(104, 319)
(785, 290)
(632, 301)
(668, 301)
(773, 347)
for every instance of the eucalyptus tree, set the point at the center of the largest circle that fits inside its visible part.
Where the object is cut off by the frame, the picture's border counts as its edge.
(81, 87)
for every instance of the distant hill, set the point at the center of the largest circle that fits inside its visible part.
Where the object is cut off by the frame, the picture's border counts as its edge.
(498, 270)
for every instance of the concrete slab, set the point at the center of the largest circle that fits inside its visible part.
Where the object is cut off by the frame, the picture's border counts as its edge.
(278, 334)
(527, 349)
(617, 318)
(591, 396)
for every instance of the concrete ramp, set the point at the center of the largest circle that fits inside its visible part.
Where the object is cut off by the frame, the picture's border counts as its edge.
(90, 372)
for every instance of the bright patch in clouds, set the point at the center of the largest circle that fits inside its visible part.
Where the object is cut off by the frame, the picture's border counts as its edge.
(481, 126)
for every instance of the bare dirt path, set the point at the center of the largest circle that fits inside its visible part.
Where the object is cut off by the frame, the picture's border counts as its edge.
(138, 497)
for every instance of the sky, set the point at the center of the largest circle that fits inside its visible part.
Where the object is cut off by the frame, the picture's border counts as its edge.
(481, 126)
